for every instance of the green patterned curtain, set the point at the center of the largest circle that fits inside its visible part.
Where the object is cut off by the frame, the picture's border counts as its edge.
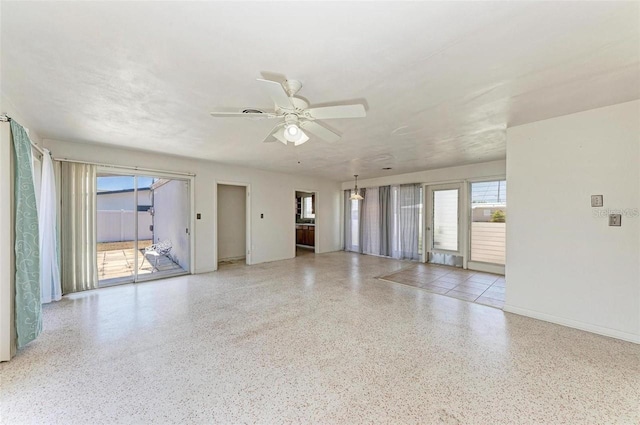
(28, 308)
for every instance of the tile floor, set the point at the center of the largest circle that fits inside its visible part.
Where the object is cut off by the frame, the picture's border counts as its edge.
(468, 285)
(315, 339)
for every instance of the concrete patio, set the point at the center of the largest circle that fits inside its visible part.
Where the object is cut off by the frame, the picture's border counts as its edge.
(119, 261)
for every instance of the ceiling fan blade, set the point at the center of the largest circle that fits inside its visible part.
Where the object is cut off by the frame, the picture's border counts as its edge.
(338, 111)
(277, 94)
(320, 131)
(243, 115)
(279, 135)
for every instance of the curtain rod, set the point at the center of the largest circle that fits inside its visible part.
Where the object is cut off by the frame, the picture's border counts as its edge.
(125, 167)
(6, 118)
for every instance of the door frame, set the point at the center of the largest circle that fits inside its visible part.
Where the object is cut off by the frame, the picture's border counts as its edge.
(248, 246)
(316, 239)
(428, 220)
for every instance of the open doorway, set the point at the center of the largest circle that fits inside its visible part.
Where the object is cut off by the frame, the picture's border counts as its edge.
(232, 224)
(305, 222)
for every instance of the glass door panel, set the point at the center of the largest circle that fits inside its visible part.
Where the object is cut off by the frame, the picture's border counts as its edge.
(445, 220)
(488, 221)
(163, 226)
(115, 224)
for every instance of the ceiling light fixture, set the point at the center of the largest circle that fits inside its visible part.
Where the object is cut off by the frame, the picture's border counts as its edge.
(355, 196)
(292, 132)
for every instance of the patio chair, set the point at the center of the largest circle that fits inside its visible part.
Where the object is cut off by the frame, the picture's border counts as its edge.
(154, 252)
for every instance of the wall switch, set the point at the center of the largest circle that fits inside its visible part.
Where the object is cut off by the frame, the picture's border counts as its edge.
(596, 201)
(615, 220)
(198, 216)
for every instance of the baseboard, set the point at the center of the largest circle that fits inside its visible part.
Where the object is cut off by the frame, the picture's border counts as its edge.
(573, 324)
(242, 257)
(207, 270)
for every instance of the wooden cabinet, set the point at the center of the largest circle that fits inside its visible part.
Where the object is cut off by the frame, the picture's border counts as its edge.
(311, 236)
(305, 235)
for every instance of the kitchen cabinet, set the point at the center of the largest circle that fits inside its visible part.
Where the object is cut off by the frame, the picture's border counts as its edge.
(305, 235)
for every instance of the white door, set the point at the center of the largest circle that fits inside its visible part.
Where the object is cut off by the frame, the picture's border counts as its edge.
(443, 224)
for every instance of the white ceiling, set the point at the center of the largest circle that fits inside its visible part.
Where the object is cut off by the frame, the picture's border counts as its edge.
(441, 80)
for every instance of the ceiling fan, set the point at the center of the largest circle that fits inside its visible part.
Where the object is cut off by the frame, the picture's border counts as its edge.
(295, 114)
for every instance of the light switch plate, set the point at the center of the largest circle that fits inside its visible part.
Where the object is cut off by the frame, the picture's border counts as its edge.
(596, 201)
(615, 220)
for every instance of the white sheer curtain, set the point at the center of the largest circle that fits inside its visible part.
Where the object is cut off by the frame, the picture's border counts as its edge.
(50, 289)
(407, 208)
(370, 226)
(387, 223)
(78, 236)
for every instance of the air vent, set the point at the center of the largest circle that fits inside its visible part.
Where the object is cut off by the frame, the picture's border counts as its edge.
(387, 168)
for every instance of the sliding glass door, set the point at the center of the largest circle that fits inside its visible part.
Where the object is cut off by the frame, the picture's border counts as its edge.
(488, 222)
(142, 227)
(116, 225)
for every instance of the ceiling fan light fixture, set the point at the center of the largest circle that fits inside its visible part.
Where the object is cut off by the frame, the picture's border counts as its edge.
(292, 133)
(303, 139)
(293, 130)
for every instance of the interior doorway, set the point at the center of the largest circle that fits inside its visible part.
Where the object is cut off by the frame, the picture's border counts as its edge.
(232, 246)
(305, 222)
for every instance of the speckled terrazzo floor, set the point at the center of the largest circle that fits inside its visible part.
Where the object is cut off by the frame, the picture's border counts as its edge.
(316, 339)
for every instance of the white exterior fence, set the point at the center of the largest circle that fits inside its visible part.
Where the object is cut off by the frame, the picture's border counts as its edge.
(119, 226)
(488, 242)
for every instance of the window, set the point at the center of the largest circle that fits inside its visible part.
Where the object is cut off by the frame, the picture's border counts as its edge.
(488, 217)
(445, 219)
(307, 207)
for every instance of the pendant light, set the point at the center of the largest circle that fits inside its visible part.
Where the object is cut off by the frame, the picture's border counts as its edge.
(356, 196)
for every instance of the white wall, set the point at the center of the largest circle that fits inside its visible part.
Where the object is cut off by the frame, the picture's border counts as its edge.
(231, 222)
(171, 219)
(440, 175)
(564, 263)
(271, 195)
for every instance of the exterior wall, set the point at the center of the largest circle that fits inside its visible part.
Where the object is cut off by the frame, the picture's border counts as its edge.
(171, 218)
(565, 264)
(119, 226)
(116, 201)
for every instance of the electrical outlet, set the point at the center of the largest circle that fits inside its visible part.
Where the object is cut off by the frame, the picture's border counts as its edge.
(615, 220)
(597, 201)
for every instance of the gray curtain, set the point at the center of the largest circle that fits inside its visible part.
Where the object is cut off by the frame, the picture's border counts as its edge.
(79, 266)
(385, 221)
(408, 207)
(28, 309)
(363, 193)
(370, 219)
